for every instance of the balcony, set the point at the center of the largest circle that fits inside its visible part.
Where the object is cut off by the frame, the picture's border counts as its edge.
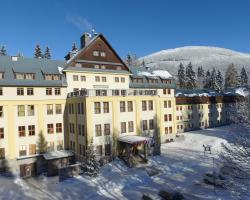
(109, 92)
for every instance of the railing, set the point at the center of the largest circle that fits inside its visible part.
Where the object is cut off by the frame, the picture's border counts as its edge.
(109, 92)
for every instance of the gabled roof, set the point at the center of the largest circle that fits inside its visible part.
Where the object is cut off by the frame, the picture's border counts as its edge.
(39, 67)
(89, 44)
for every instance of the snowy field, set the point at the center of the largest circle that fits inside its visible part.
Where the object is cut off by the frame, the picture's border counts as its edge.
(181, 167)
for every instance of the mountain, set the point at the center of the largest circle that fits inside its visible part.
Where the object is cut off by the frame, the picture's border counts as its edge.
(207, 57)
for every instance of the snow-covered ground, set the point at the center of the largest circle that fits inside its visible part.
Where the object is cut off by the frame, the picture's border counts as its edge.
(181, 167)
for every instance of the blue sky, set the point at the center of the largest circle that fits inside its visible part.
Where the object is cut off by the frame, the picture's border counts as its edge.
(137, 26)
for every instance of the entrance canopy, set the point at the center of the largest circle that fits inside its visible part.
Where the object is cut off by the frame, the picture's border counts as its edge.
(57, 154)
(134, 139)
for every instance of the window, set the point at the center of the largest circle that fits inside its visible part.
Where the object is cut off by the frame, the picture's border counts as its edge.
(106, 107)
(97, 107)
(1, 111)
(166, 118)
(21, 110)
(83, 78)
(58, 127)
(98, 130)
(170, 129)
(150, 105)
(164, 91)
(130, 106)
(96, 66)
(1, 133)
(30, 91)
(20, 91)
(31, 110)
(21, 131)
(2, 153)
(106, 129)
(71, 108)
(95, 53)
(99, 150)
(144, 105)
(1, 75)
(31, 129)
(22, 150)
(57, 91)
(80, 129)
(104, 79)
(170, 117)
(107, 149)
(166, 105)
(58, 109)
(80, 108)
(48, 91)
(1, 91)
(122, 79)
(130, 126)
(144, 125)
(50, 128)
(117, 79)
(151, 124)
(122, 106)
(103, 67)
(32, 149)
(166, 130)
(75, 77)
(97, 78)
(169, 104)
(123, 127)
(103, 54)
(72, 128)
(49, 109)
(169, 91)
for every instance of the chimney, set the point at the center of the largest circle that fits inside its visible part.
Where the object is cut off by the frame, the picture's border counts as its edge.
(85, 39)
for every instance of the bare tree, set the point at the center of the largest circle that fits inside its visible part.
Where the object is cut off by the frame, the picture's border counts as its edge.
(236, 154)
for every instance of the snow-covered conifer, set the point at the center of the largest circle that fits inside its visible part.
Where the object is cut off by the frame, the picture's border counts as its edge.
(190, 77)
(231, 77)
(243, 77)
(181, 76)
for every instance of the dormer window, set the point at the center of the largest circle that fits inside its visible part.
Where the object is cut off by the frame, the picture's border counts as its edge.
(103, 54)
(50, 77)
(95, 53)
(152, 80)
(1, 75)
(22, 76)
(137, 80)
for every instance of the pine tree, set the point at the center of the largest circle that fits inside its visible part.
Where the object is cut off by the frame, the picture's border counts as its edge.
(219, 80)
(38, 52)
(181, 76)
(243, 77)
(3, 51)
(47, 53)
(131, 60)
(92, 166)
(200, 77)
(42, 144)
(207, 83)
(74, 47)
(190, 77)
(213, 80)
(128, 60)
(231, 79)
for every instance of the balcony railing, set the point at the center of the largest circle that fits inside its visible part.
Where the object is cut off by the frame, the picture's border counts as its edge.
(109, 92)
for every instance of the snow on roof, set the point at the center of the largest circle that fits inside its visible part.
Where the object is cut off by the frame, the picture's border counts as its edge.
(132, 139)
(142, 73)
(57, 154)
(242, 91)
(156, 73)
(162, 73)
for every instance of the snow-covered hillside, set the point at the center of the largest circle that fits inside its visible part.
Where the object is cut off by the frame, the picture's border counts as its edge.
(208, 57)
